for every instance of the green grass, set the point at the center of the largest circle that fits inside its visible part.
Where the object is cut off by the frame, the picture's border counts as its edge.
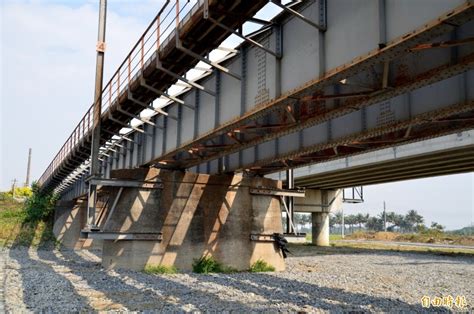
(207, 264)
(332, 237)
(160, 269)
(15, 230)
(405, 248)
(425, 236)
(261, 266)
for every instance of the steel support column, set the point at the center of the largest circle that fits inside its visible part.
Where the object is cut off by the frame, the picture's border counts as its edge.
(95, 145)
(290, 184)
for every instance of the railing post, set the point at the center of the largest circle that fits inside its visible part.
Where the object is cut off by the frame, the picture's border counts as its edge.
(110, 94)
(142, 49)
(177, 15)
(118, 83)
(129, 69)
(158, 33)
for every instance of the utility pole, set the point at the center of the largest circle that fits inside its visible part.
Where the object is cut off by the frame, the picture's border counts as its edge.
(97, 110)
(384, 218)
(343, 226)
(13, 187)
(28, 169)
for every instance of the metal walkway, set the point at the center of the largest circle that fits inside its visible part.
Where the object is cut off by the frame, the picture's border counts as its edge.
(312, 85)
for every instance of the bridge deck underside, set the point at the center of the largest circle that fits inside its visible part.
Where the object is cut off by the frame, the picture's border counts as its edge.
(428, 165)
(413, 87)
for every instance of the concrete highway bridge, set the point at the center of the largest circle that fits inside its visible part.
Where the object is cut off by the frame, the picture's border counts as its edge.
(186, 138)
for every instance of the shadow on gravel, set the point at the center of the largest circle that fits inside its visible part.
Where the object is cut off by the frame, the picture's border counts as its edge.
(153, 293)
(302, 250)
(288, 291)
(137, 291)
(40, 283)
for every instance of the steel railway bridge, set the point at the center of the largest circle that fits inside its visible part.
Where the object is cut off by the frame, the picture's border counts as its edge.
(322, 80)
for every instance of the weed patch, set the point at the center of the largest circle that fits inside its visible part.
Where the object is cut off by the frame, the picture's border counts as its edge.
(207, 264)
(261, 266)
(160, 269)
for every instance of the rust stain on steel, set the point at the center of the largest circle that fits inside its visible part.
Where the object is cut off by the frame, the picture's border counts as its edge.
(393, 50)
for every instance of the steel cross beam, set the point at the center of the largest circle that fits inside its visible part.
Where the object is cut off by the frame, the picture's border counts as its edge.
(277, 130)
(375, 137)
(216, 65)
(392, 51)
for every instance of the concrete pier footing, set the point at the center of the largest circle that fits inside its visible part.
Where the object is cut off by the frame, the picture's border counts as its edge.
(320, 228)
(69, 219)
(196, 214)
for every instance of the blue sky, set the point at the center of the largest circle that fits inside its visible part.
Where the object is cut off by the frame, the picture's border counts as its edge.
(47, 75)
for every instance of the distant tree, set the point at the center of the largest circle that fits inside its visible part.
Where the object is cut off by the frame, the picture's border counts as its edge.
(361, 219)
(332, 221)
(436, 226)
(350, 220)
(338, 218)
(374, 224)
(412, 219)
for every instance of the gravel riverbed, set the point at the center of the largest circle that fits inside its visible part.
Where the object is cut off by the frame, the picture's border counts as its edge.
(315, 280)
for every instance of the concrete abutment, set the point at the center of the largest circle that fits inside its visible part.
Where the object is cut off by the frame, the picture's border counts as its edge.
(196, 214)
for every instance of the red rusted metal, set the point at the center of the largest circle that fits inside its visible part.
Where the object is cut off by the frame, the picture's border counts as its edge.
(177, 15)
(129, 69)
(110, 94)
(158, 33)
(142, 52)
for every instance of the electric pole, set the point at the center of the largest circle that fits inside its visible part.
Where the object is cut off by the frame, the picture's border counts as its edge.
(13, 187)
(28, 169)
(97, 110)
(384, 218)
(343, 226)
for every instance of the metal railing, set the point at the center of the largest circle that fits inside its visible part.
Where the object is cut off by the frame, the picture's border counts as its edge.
(164, 25)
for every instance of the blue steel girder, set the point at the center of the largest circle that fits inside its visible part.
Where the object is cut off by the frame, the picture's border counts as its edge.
(375, 77)
(402, 68)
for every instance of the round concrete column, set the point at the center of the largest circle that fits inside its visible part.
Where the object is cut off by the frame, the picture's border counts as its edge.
(320, 228)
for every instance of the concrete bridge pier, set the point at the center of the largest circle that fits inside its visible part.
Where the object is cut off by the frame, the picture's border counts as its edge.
(320, 222)
(319, 203)
(320, 228)
(161, 217)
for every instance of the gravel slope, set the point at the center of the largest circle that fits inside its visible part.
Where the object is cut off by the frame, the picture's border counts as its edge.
(315, 280)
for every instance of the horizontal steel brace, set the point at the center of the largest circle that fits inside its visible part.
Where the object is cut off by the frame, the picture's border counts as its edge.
(144, 83)
(118, 134)
(116, 236)
(135, 117)
(141, 103)
(298, 15)
(160, 67)
(126, 183)
(126, 125)
(216, 65)
(279, 192)
(249, 40)
(262, 237)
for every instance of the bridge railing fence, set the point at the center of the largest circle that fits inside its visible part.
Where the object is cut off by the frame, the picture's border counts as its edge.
(159, 32)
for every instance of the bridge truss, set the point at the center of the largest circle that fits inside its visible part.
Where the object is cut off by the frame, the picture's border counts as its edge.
(303, 89)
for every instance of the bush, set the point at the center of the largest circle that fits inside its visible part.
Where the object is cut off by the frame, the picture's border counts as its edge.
(261, 266)
(160, 269)
(39, 206)
(206, 265)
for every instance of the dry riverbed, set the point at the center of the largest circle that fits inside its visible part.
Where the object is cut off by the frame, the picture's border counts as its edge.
(315, 280)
